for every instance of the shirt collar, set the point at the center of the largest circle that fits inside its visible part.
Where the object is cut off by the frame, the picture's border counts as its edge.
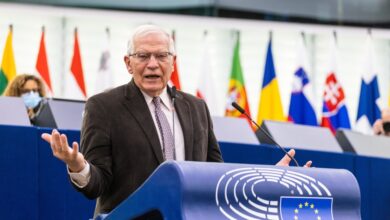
(166, 101)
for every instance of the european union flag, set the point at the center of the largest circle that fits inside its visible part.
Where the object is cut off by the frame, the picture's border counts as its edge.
(318, 208)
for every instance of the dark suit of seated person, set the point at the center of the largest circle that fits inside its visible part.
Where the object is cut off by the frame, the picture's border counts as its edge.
(127, 132)
(31, 89)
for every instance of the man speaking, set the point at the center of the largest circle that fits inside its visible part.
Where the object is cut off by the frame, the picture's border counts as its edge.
(128, 131)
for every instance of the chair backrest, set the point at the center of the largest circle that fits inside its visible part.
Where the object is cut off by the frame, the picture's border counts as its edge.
(61, 114)
(233, 130)
(367, 145)
(13, 111)
(299, 136)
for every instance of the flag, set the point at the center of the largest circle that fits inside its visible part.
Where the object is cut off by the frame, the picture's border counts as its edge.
(175, 74)
(334, 110)
(76, 66)
(388, 100)
(8, 67)
(301, 104)
(41, 65)
(237, 92)
(368, 109)
(104, 77)
(206, 90)
(306, 208)
(270, 104)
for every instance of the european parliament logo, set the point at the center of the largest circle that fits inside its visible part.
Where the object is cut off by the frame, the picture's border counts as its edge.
(255, 193)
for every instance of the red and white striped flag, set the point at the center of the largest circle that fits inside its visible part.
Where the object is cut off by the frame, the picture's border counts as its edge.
(76, 67)
(42, 64)
(175, 80)
(206, 89)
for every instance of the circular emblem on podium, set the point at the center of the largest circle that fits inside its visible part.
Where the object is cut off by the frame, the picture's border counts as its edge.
(272, 193)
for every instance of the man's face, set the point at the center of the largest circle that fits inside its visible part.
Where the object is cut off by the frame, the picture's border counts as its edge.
(151, 63)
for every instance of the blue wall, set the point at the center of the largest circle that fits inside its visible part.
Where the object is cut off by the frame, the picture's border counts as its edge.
(34, 185)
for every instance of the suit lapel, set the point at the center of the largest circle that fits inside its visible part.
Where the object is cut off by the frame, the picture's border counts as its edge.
(135, 103)
(184, 114)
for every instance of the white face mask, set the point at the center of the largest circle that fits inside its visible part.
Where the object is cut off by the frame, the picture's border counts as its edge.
(31, 99)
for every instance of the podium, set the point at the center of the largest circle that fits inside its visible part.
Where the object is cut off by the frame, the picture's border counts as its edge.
(200, 190)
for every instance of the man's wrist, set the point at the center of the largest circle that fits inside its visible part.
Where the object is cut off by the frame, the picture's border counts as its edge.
(77, 168)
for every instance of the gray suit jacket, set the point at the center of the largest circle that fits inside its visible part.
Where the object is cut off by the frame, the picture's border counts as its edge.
(120, 141)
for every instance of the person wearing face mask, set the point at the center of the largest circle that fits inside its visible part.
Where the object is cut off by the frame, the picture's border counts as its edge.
(31, 89)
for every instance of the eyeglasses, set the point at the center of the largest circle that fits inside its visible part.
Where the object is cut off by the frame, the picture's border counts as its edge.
(22, 91)
(145, 57)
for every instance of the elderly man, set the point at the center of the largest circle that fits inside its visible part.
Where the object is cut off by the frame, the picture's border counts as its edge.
(129, 131)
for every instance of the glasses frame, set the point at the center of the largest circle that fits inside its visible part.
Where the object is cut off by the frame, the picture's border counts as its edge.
(148, 56)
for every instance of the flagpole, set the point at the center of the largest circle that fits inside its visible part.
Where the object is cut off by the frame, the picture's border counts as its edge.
(108, 32)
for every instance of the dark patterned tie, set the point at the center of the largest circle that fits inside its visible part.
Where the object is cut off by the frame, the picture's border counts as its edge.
(165, 131)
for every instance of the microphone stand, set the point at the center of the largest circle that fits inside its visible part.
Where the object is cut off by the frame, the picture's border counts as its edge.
(242, 111)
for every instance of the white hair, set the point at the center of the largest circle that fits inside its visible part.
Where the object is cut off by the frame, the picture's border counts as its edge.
(147, 29)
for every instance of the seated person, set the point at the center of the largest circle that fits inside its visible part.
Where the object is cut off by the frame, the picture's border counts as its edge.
(32, 89)
(382, 125)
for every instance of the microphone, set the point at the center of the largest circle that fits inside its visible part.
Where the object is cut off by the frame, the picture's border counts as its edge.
(242, 111)
(173, 97)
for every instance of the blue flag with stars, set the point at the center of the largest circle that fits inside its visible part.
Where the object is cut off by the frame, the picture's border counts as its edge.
(317, 208)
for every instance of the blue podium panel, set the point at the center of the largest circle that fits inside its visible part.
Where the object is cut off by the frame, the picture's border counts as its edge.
(247, 153)
(199, 190)
(380, 175)
(19, 173)
(271, 154)
(58, 199)
(374, 177)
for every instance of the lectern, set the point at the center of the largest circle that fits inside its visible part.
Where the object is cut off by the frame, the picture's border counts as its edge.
(199, 190)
